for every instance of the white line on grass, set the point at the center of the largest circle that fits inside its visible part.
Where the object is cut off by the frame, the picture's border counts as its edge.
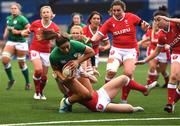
(84, 121)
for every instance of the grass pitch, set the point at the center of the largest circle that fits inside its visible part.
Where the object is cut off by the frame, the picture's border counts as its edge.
(17, 105)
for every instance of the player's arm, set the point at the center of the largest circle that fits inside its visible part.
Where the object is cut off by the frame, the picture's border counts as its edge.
(106, 45)
(88, 53)
(6, 32)
(151, 56)
(144, 42)
(144, 25)
(177, 20)
(96, 37)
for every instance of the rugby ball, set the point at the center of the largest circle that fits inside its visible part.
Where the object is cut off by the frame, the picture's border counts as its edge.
(68, 72)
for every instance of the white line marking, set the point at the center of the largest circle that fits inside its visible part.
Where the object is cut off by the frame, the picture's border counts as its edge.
(84, 121)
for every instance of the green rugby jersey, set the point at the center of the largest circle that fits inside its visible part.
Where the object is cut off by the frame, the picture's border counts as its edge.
(19, 22)
(59, 59)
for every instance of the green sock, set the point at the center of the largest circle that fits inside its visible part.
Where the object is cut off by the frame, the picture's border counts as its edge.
(26, 75)
(9, 73)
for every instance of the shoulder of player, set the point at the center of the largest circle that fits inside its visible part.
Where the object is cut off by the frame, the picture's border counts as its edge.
(36, 22)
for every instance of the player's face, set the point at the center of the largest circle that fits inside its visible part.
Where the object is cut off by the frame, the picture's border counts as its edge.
(161, 23)
(117, 11)
(14, 10)
(65, 47)
(46, 14)
(76, 19)
(95, 20)
(75, 34)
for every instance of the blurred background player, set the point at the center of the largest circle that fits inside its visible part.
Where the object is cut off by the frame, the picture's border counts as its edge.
(158, 64)
(122, 26)
(40, 50)
(76, 33)
(76, 20)
(170, 34)
(93, 25)
(16, 44)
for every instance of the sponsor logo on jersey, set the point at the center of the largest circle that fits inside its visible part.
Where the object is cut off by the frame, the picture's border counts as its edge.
(123, 31)
(63, 61)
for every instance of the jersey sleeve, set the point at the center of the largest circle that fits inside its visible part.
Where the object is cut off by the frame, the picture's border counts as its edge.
(136, 19)
(78, 46)
(32, 27)
(56, 28)
(104, 29)
(24, 21)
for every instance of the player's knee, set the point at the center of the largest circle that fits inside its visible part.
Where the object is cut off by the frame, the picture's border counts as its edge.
(125, 79)
(173, 77)
(38, 73)
(110, 74)
(5, 60)
(128, 73)
(86, 95)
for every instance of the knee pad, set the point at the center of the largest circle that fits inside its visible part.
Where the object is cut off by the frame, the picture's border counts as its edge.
(21, 58)
(6, 54)
(113, 65)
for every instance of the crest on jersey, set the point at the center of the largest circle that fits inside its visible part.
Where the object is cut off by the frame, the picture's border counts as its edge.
(175, 57)
(113, 25)
(76, 55)
(63, 61)
(15, 22)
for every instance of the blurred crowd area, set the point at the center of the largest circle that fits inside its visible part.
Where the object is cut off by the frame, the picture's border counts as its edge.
(64, 8)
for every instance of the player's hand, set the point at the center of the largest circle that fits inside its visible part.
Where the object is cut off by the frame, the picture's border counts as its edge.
(73, 64)
(25, 33)
(141, 62)
(145, 26)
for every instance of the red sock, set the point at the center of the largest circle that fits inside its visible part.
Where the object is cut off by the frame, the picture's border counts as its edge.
(125, 92)
(136, 86)
(43, 83)
(171, 93)
(37, 79)
(37, 85)
(177, 96)
(151, 78)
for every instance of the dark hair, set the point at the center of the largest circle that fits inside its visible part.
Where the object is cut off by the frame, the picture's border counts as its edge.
(162, 11)
(61, 40)
(92, 14)
(119, 2)
(72, 15)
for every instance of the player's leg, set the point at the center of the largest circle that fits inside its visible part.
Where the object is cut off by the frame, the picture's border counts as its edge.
(79, 93)
(122, 108)
(21, 51)
(165, 74)
(8, 51)
(174, 76)
(38, 70)
(114, 86)
(113, 64)
(152, 73)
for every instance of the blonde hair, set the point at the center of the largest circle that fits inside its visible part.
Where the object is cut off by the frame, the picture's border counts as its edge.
(43, 7)
(17, 5)
(77, 27)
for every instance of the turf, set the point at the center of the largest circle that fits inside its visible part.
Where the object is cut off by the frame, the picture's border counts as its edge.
(18, 106)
